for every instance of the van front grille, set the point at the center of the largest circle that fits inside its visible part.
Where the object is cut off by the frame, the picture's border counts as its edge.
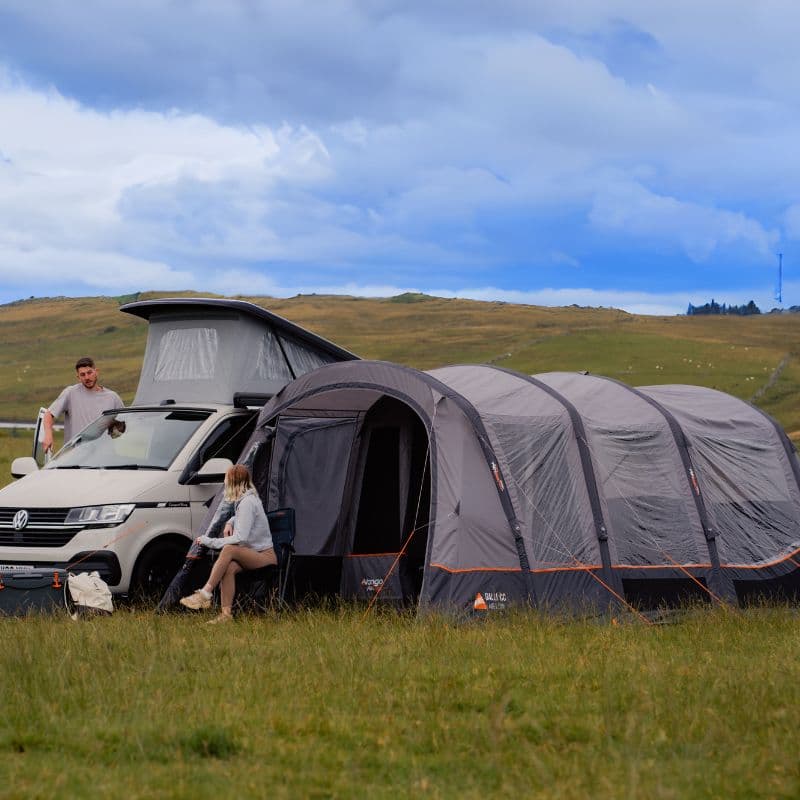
(35, 538)
(37, 517)
(44, 528)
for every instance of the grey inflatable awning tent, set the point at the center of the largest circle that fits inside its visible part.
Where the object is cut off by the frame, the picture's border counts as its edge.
(211, 350)
(501, 489)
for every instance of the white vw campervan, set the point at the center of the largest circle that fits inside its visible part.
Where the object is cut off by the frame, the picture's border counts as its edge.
(126, 495)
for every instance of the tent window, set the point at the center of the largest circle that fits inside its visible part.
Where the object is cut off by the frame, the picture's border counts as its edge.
(270, 362)
(186, 354)
(301, 358)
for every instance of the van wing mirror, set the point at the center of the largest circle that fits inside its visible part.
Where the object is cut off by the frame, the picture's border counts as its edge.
(213, 471)
(20, 467)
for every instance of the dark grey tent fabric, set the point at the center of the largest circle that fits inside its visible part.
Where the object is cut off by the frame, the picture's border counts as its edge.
(560, 489)
(315, 494)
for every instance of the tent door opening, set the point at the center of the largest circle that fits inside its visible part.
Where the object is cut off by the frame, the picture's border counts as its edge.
(390, 508)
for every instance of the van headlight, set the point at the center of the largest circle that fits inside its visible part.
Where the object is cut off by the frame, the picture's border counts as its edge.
(100, 515)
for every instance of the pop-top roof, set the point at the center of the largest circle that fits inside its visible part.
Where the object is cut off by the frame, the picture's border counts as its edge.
(208, 349)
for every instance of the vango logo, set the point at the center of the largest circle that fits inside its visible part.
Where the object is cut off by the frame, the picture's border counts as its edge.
(371, 585)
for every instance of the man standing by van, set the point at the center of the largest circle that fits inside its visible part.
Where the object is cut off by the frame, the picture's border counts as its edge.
(80, 403)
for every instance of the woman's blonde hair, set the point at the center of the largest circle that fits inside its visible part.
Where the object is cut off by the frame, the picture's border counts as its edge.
(237, 482)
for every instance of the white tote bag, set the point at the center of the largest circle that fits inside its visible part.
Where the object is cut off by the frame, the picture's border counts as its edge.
(89, 591)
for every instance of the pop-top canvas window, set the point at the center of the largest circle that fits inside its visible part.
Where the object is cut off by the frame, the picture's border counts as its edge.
(187, 354)
(270, 362)
(302, 359)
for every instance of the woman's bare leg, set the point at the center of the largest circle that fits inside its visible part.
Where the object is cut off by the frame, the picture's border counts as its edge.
(227, 587)
(243, 556)
(220, 567)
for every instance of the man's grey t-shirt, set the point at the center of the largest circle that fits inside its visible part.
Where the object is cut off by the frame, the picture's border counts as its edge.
(80, 406)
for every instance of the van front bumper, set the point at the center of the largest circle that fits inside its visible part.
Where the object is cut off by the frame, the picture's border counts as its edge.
(104, 562)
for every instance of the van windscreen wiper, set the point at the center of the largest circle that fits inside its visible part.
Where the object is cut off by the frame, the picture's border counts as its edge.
(132, 466)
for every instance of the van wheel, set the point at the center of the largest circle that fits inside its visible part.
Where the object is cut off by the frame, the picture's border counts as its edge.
(156, 567)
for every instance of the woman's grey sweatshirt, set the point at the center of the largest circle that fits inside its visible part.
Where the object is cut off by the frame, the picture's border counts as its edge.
(250, 526)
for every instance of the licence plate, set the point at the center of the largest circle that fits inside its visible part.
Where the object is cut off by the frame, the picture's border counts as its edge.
(15, 567)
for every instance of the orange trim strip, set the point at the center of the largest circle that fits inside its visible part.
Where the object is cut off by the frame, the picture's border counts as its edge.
(476, 569)
(790, 557)
(583, 568)
(670, 565)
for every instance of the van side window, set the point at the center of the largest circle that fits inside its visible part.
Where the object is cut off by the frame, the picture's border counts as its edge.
(226, 441)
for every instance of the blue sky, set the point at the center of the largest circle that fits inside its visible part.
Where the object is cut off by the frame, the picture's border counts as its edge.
(641, 155)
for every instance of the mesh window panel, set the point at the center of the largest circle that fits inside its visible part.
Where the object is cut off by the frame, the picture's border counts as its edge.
(270, 362)
(301, 358)
(187, 354)
(550, 493)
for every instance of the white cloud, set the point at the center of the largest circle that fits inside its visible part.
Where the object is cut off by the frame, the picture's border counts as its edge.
(87, 271)
(525, 136)
(68, 173)
(632, 209)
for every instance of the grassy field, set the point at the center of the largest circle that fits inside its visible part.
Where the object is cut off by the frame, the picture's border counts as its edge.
(322, 705)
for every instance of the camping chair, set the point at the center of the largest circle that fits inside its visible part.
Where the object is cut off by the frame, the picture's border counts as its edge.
(262, 587)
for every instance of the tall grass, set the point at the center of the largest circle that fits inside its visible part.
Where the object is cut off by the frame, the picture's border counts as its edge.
(323, 704)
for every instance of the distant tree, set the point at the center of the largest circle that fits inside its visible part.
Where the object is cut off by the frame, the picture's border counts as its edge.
(715, 308)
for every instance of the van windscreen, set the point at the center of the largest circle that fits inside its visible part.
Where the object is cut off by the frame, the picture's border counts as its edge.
(143, 439)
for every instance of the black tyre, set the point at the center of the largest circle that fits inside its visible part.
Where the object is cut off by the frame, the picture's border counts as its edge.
(156, 567)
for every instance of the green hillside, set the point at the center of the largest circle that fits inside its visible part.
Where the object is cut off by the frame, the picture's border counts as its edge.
(755, 358)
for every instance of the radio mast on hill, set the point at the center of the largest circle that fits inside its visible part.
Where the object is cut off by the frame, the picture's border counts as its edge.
(779, 287)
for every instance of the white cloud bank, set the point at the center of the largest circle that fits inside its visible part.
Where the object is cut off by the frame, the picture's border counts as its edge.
(68, 175)
(528, 145)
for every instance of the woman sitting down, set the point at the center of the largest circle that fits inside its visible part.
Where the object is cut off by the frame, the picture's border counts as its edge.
(246, 543)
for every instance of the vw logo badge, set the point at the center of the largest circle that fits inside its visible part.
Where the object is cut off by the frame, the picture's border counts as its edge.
(20, 519)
